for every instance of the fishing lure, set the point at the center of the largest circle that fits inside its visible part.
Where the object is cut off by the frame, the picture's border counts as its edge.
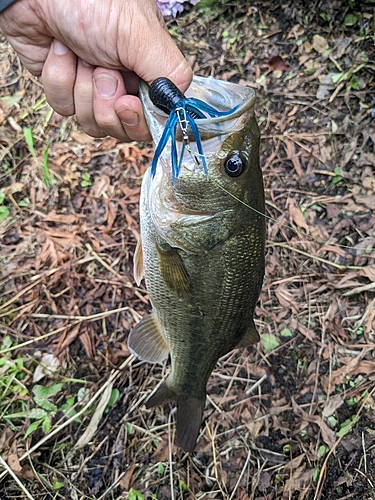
(183, 111)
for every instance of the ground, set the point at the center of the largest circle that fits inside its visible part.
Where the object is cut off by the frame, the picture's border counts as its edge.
(290, 418)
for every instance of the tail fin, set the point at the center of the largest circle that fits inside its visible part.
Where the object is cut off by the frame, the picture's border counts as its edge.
(189, 419)
(189, 414)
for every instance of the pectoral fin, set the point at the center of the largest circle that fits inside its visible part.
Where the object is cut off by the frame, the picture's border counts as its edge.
(251, 337)
(147, 342)
(138, 269)
(173, 271)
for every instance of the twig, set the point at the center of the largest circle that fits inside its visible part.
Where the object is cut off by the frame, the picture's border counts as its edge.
(257, 384)
(315, 257)
(241, 475)
(19, 308)
(19, 294)
(107, 266)
(170, 446)
(304, 147)
(359, 289)
(349, 428)
(102, 497)
(20, 484)
(114, 374)
(92, 317)
(364, 475)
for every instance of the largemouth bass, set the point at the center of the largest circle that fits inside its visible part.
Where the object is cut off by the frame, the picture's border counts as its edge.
(201, 249)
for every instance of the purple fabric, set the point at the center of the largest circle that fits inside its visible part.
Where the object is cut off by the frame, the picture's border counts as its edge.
(172, 7)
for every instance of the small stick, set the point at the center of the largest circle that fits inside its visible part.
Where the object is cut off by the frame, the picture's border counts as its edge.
(114, 374)
(350, 427)
(20, 484)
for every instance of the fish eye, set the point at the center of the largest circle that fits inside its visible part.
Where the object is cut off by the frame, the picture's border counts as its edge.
(234, 165)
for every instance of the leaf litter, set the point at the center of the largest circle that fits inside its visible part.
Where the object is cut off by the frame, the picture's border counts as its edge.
(291, 418)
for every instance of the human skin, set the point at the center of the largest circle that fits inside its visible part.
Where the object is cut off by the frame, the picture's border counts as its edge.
(90, 54)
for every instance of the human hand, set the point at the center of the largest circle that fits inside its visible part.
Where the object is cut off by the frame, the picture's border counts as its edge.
(90, 54)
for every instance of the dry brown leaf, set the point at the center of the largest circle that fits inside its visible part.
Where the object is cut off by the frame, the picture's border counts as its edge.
(293, 157)
(85, 338)
(95, 419)
(350, 367)
(161, 454)
(367, 159)
(350, 151)
(332, 404)
(296, 215)
(12, 459)
(100, 186)
(53, 216)
(308, 48)
(6, 438)
(264, 481)
(111, 215)
(331, 248)
(286, 299)
(341, 44)
(328, 435)
(369, 184)
(242, 494)
(16, 187)
(128, 480)
(277, 63)
(81, 137)
(295, 462)
(319, 44)
(115, 355)
(298, 481)
(48, 253)
(368, 318)
(66, 339)
(48, 365)
(367, 201)
(249, 421)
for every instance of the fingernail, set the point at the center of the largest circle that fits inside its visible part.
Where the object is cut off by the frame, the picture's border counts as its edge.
(129, 118)
(85, 63)
(59, 48)
(105, 85)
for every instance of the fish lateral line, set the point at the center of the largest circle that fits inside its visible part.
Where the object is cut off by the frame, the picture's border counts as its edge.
(282, 224)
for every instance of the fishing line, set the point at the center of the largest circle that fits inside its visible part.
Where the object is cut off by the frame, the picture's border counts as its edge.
(183, 110)
(318, 240)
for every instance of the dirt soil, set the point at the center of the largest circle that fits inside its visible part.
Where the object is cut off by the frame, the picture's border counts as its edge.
(290, 418)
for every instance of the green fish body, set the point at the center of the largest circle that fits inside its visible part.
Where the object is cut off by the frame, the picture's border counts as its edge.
(201, 252)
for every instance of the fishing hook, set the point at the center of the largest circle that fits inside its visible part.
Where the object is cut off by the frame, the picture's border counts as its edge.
(183, 111)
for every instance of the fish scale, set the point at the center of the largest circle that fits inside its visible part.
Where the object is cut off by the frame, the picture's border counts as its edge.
(202, 254)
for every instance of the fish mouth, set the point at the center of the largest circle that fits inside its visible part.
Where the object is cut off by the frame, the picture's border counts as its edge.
(221, 95)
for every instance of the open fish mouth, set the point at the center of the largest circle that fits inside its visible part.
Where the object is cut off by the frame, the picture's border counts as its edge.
(180, 124)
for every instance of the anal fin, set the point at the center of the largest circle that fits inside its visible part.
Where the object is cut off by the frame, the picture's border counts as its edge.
(251, 337)
(146, 340)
